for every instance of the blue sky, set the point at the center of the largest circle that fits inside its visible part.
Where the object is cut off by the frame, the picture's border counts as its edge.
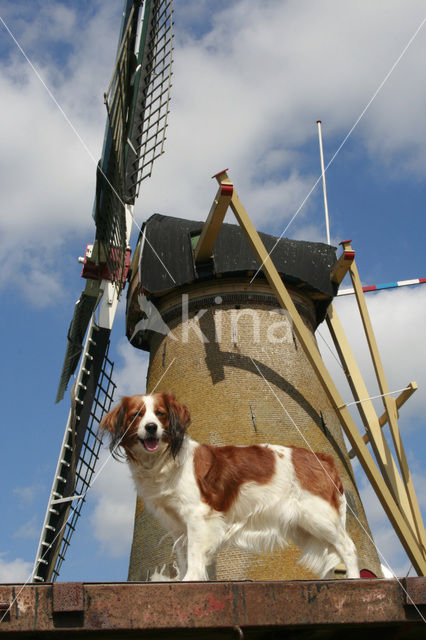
(250, 81)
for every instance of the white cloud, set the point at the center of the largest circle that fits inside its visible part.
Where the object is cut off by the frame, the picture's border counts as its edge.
(247, 91)
(14, 571)
(47, 178)
(112, 500)
(47, 175)
(130, 374)
(247, 94)
(29, 530)
(28, 494)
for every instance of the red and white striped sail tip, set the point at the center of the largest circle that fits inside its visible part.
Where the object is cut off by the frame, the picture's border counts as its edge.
(387, 285)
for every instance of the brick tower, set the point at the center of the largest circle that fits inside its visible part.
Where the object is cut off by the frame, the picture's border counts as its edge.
(228, 352)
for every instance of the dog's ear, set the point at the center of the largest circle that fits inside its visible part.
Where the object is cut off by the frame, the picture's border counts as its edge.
(114, 423)
(179, 421)
(111, 421)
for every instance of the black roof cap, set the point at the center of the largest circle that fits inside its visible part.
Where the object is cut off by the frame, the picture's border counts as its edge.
(167, 257)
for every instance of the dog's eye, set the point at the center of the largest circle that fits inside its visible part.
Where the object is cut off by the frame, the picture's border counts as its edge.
(160, 414)
(134, 416)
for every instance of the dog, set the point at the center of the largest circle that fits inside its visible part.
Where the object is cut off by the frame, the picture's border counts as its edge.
(257, 497)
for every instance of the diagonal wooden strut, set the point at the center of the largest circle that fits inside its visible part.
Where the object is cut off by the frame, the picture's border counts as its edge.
(204, 249)
(404, 531)
(383, 455)
(389, 404)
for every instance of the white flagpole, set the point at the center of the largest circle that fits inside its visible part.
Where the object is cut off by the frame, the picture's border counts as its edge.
(327, 223)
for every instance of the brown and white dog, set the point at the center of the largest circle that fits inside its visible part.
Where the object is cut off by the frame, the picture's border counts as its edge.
(256, 497)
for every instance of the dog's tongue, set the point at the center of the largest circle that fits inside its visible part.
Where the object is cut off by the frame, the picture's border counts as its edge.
(151, 444)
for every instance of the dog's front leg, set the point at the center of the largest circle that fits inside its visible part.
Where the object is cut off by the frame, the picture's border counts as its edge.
(181, 555)
(198, 552)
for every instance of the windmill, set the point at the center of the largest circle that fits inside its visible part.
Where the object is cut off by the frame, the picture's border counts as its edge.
(137, 103)
(252, 387)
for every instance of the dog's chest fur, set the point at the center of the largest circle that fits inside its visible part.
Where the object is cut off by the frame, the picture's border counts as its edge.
(168, 488)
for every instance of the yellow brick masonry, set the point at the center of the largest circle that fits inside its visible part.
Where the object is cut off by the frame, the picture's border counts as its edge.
(230, 403)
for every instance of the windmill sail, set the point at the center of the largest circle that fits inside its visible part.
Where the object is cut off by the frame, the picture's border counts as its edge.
(151, 98)
(137, 103)
(91, 396)
(84, 308)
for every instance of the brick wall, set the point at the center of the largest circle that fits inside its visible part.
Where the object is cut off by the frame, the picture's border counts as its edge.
(228, 328)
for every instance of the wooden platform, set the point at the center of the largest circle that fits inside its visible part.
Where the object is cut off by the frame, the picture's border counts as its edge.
(293, 609)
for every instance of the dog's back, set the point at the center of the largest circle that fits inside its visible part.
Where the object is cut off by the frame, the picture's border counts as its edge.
(269, 494)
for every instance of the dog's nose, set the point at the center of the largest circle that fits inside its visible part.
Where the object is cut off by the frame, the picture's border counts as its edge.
(151, 428)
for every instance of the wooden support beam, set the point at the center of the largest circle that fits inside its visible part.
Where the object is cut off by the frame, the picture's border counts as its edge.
(340, 269)
(307, 342)
(384, 457)
(403, 397)
(400, 400)
(205, 245)
(389, 404)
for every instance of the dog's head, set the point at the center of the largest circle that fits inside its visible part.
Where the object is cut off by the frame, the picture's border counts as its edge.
(146, 425)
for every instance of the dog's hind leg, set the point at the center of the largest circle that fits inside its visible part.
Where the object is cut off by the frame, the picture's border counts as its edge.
(347, 551)
(333, 537)
(317, 556)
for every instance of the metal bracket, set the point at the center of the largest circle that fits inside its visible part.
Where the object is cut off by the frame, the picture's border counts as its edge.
(67, 597)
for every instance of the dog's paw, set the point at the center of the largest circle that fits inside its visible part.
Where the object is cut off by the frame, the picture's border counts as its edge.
(163, 575)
